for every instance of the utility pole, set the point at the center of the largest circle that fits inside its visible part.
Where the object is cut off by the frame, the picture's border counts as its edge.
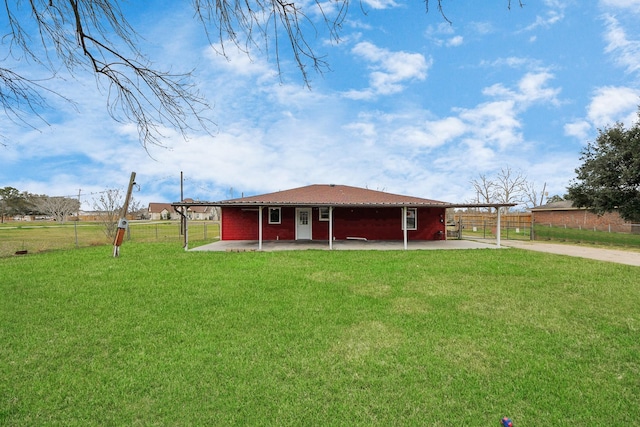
(123, 223)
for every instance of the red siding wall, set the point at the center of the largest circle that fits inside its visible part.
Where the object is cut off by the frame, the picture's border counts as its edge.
(370, 223)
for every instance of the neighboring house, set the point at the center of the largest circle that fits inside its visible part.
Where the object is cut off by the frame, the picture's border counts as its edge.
(201, 212)
(165, 211)
(564, 214)
(161, 211)
(337, 212)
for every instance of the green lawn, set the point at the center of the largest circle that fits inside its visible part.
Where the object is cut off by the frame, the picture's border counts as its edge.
(41, 236)
(160, 336)
(575, 235)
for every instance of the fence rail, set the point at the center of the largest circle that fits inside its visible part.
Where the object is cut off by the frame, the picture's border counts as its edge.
(18, 237)
(484, 226)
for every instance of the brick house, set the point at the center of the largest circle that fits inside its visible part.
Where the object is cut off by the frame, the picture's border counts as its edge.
(564, 214)
(201, 212)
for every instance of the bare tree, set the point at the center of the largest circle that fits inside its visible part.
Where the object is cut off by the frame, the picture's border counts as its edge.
(507, 186)
(510, 186)
(94, 36)
(532, 197)
(109, 207)
(485, 189)
(60, 208)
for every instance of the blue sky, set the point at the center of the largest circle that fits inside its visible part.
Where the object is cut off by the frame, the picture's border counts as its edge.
(412, 105)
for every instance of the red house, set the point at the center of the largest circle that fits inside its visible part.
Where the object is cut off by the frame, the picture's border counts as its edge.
(332, 212)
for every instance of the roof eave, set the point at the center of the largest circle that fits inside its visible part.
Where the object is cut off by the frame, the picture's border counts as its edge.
(246, 204)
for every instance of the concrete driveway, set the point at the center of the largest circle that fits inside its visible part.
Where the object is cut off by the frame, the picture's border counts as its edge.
(601, 254)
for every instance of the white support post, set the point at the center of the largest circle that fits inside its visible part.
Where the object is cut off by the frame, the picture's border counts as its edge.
(498, 230)
(260, 228)
(330, 227)
(186, 234)
(404, 226)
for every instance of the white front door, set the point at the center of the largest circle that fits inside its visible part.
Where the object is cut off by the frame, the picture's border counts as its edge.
(303, 224)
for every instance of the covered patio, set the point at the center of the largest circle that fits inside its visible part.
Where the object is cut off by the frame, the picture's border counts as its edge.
(333, 216)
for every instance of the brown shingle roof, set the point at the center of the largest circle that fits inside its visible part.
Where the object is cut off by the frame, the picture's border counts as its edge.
(159, 207)
(332, 195)
(561, 205)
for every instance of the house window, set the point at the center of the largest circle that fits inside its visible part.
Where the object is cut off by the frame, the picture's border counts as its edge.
(304, 217)
(274, 216)
(324, 214)
(412, 219)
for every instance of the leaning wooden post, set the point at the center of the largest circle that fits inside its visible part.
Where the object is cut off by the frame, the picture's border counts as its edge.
(123, 223)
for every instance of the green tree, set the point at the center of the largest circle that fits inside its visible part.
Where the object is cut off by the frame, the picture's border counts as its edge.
(13, 202)
(8, 197)
(555, 198)
(94, 36)
(609, 178)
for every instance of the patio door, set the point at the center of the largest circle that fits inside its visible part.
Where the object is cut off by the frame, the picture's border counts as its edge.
(303, 224)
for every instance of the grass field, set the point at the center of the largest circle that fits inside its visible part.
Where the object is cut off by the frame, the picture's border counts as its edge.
(575, 235)
(44, 236)
(160, 336)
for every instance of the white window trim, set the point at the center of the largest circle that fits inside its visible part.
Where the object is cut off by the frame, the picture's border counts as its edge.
(320, 211)
(415, 219)
(279, 215)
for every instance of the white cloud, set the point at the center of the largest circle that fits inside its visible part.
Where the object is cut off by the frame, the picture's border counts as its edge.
(367, 132)
(634, 5)
(390, 71)
(427, 135)
(517, 62)
(229, 58)
(579, 129)
(455, 41)
(442, 28)
(612, 104)
(380, 4)
(441, 34)
(445, 130)
(625, 52)
(552, 17)
(481, 28)
(494, 123)
(531, 88)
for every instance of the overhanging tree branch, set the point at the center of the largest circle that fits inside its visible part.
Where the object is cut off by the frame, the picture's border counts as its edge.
(95, 36)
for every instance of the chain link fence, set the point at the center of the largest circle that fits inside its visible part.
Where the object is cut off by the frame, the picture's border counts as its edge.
(592, 235)
(26, 237)
(465, 226)
(520, 227)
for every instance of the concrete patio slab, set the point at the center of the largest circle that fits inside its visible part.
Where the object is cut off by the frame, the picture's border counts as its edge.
(340, 245)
